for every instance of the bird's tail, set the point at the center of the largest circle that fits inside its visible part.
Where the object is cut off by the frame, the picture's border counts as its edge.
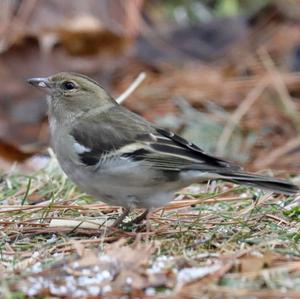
(260, 181)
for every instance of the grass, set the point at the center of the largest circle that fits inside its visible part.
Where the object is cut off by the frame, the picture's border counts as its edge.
(214, 241)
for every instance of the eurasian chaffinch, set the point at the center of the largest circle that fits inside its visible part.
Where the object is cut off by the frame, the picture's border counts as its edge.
(122, 159)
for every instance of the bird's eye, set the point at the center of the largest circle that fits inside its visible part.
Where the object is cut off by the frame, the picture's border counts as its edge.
(68, 85)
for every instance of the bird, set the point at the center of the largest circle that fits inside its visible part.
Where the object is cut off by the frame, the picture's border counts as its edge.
(122, 159)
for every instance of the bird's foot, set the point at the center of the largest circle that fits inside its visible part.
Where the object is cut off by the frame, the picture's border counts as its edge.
(140, 218)
(120, 219)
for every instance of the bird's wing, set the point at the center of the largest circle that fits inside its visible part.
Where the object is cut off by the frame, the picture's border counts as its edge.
(107, 133)
(122, 133)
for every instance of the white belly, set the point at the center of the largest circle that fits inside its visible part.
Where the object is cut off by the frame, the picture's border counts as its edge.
(127, 185)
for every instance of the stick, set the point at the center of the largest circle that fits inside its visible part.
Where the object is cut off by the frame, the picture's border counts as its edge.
(242, 109)
(133, 86)
(280, 87)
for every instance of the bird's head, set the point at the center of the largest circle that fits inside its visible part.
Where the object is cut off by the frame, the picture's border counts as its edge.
(70, 94)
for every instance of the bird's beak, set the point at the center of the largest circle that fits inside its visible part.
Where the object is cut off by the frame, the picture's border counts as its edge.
(39, 82)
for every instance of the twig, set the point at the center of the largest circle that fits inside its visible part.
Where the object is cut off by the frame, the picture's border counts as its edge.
(279, 85)
(251, 98)
(89, 224)
(16, 208)
(280, 220)
(133, 86)
(186, 203)
(14, 25)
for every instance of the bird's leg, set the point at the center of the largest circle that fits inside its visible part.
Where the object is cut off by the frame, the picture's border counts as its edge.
(140, 218)
(147, 226)
(136, 220)
(120, 219)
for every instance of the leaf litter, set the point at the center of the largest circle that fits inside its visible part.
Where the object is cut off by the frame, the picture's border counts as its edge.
(209, 240)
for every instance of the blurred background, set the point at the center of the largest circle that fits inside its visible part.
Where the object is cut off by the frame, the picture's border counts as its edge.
(223, 73)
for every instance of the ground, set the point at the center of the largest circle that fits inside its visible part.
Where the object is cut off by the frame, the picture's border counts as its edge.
(213, 241)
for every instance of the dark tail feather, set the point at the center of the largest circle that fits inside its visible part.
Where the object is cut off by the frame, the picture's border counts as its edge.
(269, 183)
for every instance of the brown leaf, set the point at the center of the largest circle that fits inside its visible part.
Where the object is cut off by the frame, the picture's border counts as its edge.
(251, 264)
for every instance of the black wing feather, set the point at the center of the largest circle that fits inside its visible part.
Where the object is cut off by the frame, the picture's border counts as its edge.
(196, 151)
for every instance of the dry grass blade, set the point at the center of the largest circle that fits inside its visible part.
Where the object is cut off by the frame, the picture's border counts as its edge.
(281, 88)
(242, 109)
(134, 85)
